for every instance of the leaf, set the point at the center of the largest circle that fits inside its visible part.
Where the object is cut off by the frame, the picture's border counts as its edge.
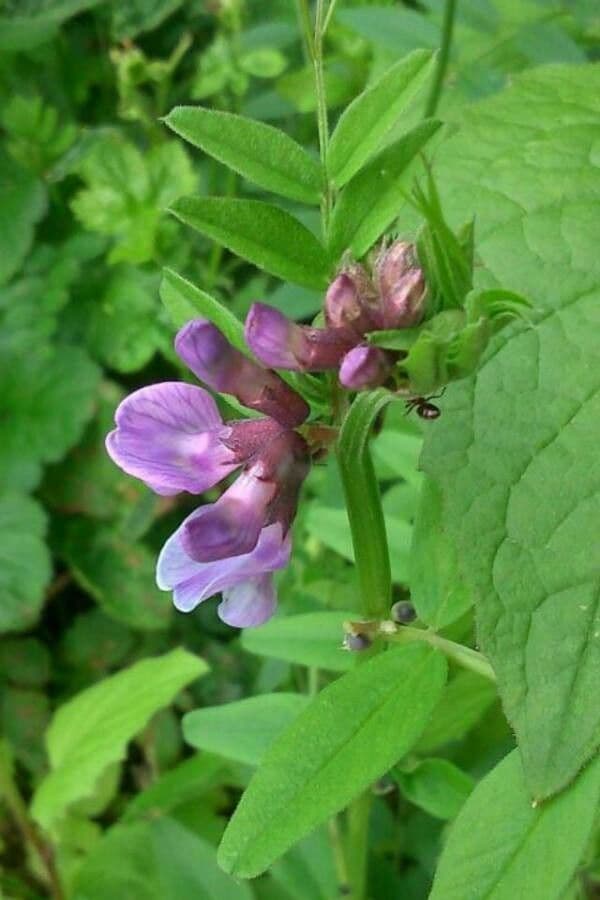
(263, 234)
(514, 455)
(501, 846)
(159, 860)
(186, 783)
(466, 699)
(48, 397)
(24, 32)
(118, 572)
(437, 786)
(22, 205)
(363, 502)
(92, 730)
(25, 565)
(259, 152)
(365, 122)
(309, 639)
(350, 735)
(184, 301)
(243, 730)
(140, 16)
(371, 201)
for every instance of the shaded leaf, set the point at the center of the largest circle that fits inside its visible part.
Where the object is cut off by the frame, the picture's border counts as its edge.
(25, 565)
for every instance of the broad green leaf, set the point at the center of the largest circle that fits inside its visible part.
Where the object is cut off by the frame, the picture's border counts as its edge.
(244, 730)
(118, 572)
(259, 152)
(365, 122)
(466, 698)
(350, 735)
(48, 397)
(24, 714)
(95, 643)
(184, 301)
(24, 32)
(22, 204)
(158, 860)
(307, 871)
(372, 199)
(139, 16)
(92, 730)
(25, 661)
(310, 639)
(263, 234)
(25, 565)
(502, 846)
(435, 785)
(363, 501)
(514, 455)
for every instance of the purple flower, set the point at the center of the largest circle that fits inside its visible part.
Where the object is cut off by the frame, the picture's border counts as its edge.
(401, 287)
(351, 301)
(172, 437)
(282, 344)
(365, 367)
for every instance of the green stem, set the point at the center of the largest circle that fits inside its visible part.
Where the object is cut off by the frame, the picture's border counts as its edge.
(322, 122)
(463, 656)
(330, 12)
(357, 844)
(442, 61)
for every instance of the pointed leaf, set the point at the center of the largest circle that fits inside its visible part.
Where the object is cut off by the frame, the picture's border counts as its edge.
(184, 301)
(310, 639)
(366, 121)
(371, 201)
(263, 234)
(259, 152)
(349, 736)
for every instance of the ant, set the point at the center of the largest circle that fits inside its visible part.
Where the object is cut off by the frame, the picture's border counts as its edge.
(423, 406)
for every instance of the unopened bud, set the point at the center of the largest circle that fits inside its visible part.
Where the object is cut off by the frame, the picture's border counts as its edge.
(364, 367)
(356, 642)
(403, 612)
(348, 300)
(282, 344)
(401, 286)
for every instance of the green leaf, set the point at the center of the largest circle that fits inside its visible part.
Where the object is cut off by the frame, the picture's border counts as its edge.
(186, 783)
(349, 736)
(22, 205)
(26, 661)
(310, 639)
(372, 200)
(501, 846)
(514, 455)
(140, 16)
(158, 860)
(466, 698)
(243, 730)
(365, 122)
(25, 565)
(263, 234)
(259, 152)
(24, 32)
(92, 730)
(118, 572)
(437, 786)
(363, 502)
(94, 643)
(24, 714)
(184, 301)
(48, 397)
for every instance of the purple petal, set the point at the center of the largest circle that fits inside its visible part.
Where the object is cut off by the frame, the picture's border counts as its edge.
(273, 338)
(364, 367)
(232, 525)
(192, 582)
(170, 436)
(248, 604)
(212, 359)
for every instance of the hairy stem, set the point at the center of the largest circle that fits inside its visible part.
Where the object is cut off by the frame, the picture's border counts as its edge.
(442, 61)
(357, 843)
(458, 653)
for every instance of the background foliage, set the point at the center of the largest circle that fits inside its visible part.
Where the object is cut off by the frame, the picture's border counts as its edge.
(87, 172)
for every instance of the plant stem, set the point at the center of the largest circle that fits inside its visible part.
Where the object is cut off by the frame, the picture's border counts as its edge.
(357, 844)
(330, 12)
(322, 122)
(463, 656)
(442, 62)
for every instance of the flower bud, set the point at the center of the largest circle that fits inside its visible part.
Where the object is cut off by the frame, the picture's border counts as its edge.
(348, 300)
(401, 286)
(357, 642)
(282, 344)
(403, 612)
(364, 367)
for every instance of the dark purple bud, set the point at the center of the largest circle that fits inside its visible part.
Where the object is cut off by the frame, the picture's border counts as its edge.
(357, 642)
(364, 367)
(401, 286)
(403, 612)
(213, 360)
(349, 299)
(282, 344)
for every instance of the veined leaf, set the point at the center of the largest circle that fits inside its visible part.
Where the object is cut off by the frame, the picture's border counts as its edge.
(502, 847)
(92, 730)
(372, 200)
(310, 639)
(350, 735)
(259, 152)
(365, 122)
(184, 301)
(263, 234)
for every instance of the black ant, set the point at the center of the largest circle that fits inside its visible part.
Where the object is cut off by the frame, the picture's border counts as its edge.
(423, 406)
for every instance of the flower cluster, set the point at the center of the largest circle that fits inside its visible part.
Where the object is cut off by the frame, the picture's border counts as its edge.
(173, 438)
(355, 304)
